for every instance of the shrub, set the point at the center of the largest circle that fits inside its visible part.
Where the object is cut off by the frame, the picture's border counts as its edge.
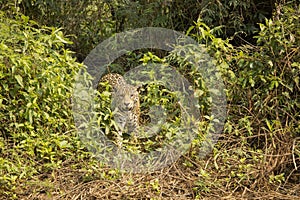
(36, 124)
(260, 149)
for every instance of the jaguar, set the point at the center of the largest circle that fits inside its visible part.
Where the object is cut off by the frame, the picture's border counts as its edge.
(125, 103)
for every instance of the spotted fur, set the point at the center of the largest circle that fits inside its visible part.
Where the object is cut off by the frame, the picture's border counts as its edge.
(126, 103)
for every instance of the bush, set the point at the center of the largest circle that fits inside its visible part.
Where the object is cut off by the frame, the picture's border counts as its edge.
(257, 154)
(87, 22)
(36, 122)
(260, 148)
(91, 21)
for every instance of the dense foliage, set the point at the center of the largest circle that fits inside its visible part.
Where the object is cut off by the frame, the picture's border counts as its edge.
(264, 104)
(258, 153)
(92, 21)
(36, 75)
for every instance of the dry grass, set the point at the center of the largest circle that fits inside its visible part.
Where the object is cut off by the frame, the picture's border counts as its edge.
(179, 181)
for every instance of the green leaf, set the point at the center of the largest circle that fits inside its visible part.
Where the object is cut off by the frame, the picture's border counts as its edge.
(19, 80)
(60, 38)
(64, 144)
(269, 125)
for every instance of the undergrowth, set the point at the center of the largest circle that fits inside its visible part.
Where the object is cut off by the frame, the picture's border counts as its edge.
(257, 155)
